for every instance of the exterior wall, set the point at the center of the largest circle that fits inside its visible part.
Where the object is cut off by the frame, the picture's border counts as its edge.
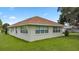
(25, 36)
(40, 36)
(32, 36)
(71, 28)
(75, 30)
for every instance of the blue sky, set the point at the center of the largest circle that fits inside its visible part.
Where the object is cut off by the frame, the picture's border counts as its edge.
(12, 15)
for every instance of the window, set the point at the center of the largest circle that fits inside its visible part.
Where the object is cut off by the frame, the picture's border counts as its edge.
(16, 29)
(46, 31)
(37, 31)
(56, 29)
(59, 29)
(11, 29)
(41, 30)
(24, 29)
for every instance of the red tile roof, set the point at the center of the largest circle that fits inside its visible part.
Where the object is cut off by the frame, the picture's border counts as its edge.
(36, 21)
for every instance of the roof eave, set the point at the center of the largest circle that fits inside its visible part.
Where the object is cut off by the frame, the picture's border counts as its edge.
(36, 25)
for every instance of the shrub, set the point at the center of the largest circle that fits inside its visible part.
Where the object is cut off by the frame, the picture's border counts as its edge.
(66, 33)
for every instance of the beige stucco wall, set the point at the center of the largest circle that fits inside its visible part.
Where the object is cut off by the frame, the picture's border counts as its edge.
(25, 36)
(32, 36)
(50, 34)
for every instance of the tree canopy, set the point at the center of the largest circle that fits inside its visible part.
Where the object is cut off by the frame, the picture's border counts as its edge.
(5, 25)
(69, 14)
(0, 22)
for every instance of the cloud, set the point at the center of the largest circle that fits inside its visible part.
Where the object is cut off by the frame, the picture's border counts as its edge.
(12, 17)
(4, 16)
(45, 14)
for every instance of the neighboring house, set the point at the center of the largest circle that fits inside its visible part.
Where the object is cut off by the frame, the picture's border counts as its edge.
(67, 27)
(75, 29)
(71, 28)
(35, 28)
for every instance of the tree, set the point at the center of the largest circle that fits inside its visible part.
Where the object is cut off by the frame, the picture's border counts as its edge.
(0, 25)
(69, 14)
(5, 27)
(62, 20)
(0, 22)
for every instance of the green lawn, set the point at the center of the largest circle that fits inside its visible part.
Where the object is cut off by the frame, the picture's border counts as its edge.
(9, 43)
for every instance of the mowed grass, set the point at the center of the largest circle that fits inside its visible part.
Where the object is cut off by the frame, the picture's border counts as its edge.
(10, 43)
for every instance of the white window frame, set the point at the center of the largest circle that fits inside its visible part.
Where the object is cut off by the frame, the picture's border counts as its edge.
(41, 29)
(23, 29)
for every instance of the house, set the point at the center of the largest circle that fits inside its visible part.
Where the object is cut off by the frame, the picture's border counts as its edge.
(75, 29)
(67, 27)
(35, 28)
(71, 28)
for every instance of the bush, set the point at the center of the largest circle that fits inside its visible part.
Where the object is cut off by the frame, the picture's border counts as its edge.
(66, 33)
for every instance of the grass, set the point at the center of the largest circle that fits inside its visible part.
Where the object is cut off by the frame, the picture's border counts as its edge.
(9, 43)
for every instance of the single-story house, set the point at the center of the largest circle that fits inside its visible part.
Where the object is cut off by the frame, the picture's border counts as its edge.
(75, 29)
(35, 28)
(71, 28)
(67, 27)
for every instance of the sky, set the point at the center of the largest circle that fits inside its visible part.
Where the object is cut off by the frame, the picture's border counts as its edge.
(13, 15)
